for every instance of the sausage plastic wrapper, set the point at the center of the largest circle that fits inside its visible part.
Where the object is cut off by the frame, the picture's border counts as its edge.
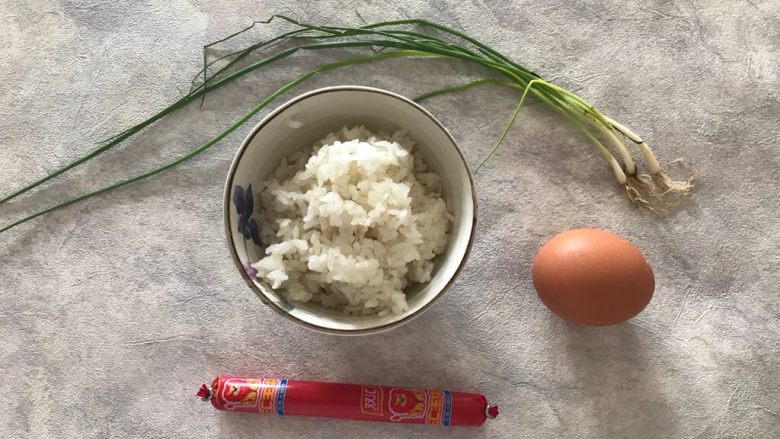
(283, 397)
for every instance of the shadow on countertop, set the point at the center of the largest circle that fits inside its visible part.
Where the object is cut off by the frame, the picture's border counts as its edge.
(617, 379)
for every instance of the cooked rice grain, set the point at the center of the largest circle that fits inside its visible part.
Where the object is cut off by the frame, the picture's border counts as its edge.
(352, 221)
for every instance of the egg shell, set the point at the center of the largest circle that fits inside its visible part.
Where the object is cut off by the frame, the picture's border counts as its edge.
(592, 277)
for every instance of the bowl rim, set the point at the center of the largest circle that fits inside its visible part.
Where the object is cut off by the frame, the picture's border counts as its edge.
(232, 246)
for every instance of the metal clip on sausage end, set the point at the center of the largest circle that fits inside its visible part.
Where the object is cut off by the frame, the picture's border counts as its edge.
(205, 393)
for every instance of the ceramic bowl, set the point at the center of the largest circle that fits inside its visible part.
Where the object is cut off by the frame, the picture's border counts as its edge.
(299, 123)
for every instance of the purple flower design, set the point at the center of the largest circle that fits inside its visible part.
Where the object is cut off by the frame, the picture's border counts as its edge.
(245, 205)
(250, 270)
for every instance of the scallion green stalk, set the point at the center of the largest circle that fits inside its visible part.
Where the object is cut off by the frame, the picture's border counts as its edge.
(653, 189)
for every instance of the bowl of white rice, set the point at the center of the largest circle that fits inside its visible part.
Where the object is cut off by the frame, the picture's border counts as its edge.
(349, 210)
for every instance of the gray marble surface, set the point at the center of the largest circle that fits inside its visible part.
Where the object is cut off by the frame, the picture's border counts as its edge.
(114, 311)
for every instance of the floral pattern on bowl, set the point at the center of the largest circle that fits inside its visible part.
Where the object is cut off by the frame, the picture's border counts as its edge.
(244, 202)
(245, 205)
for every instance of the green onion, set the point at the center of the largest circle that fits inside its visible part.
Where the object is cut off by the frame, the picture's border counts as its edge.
(409, 38)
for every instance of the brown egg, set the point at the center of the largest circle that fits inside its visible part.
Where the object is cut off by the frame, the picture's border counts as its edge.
(592, 277)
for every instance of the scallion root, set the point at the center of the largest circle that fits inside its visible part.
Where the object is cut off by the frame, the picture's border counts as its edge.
(658, 192)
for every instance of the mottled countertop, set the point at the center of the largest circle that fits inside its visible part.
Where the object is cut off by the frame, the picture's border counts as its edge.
(113, 311)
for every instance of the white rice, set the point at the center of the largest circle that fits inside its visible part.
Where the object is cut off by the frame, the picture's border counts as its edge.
(352, 221)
